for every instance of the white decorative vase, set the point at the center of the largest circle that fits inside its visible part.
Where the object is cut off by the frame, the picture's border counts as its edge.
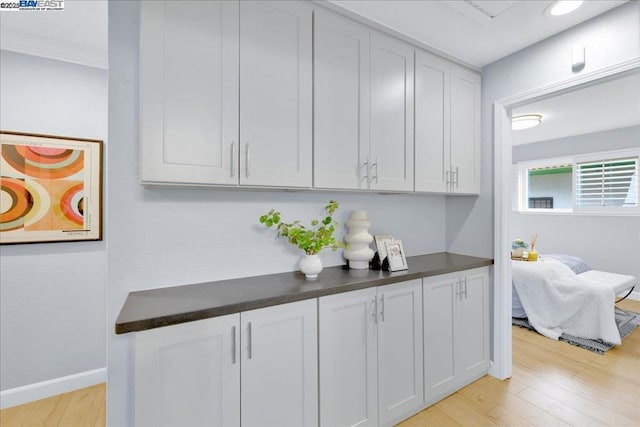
(311, 265)
(358, 252)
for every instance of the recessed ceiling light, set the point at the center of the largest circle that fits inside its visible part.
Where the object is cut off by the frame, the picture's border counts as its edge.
(525, 121)
(563, 7)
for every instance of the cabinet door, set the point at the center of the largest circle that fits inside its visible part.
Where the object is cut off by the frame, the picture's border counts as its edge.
(400, 376)
(348, 359)
(472, 322)
(275, 93)
(439, 305)
(433, 81)
(189, 374)
(465, 130)
(189, 92)
(280, 365)
(341, 96)
(391, 137)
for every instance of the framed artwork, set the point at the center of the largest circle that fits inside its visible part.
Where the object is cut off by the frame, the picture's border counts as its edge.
(395, 254)
(51, 188)
(380, 240)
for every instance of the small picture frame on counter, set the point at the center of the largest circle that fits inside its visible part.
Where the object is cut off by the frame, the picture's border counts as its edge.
(395, 255)
(380, 240)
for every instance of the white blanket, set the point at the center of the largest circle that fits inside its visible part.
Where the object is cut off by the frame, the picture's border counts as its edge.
(558, 301)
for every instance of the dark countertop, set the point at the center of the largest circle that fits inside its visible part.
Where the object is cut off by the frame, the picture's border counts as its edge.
(155, 308)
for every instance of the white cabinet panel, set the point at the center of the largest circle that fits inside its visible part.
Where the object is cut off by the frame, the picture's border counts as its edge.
(447, 153)
(348, 359)
(391, 137)
(341, 113)
(432, 118)
(188, 91)
(371, 367)
(275, 93)
(456, 331)
(439, 311)
(280, 365)
(471, 327)
(465, 129)
(400, 364)
(189, 374)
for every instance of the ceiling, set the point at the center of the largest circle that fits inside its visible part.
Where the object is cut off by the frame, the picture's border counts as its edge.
(609, 105)
(477, 32)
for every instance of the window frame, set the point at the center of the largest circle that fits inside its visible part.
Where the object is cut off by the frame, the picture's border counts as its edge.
(575, 160)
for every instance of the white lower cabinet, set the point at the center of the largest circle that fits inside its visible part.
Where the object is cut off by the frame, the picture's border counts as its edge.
(280, 365)
(456, 331)
(190, 374)
(371, 355)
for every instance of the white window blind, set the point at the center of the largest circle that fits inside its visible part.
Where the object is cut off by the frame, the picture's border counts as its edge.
(607, 183)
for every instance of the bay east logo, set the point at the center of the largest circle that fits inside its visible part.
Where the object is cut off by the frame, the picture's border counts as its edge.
(20, 5)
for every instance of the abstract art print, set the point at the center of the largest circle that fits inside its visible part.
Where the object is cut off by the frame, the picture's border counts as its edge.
(51, 188)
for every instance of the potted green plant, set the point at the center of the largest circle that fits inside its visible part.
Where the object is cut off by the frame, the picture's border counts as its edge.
(312, 239)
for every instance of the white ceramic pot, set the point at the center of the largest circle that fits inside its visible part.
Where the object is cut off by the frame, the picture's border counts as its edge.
(358, 252)
(311, 265)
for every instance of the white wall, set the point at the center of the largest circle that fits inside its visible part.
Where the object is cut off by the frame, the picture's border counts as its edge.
(170, 236)
(609, 39)
(52, 305)
(614, 139)
(609, 243)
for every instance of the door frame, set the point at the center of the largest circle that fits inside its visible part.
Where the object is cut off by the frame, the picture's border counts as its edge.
(501, 365)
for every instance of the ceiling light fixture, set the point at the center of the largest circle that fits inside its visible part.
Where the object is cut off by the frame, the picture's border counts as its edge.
(563, 7)
(525, 121)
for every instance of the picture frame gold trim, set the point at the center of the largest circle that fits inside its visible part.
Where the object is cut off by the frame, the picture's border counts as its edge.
(51, 188)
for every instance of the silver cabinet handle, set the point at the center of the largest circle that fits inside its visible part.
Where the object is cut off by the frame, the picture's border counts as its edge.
(382, 307)
(465, 288)
(447, 176)
(365, 165)
(459, 288)
(374, 312)
(249, 350)
(233, 345)
(375, 164)
(247, 166)
(233, 158)
(457, 177)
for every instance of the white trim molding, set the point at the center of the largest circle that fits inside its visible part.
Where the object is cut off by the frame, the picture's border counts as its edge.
(501, 365)
(29, 393)
(30, 44)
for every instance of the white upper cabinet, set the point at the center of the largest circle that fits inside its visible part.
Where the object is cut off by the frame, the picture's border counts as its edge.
(341, 113)
(226, 93)
(433, 90)
(188, 92)
(465, 130)
(363, 113)
(447, 140)
(275, 93)
(391, 136)
(288, 94)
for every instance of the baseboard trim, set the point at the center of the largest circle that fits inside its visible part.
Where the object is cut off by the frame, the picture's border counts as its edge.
(44, 389)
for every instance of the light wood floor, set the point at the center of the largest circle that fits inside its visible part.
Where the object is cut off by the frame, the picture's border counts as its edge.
(553, 384)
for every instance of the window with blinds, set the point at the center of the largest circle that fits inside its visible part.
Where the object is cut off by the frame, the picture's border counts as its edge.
(603, 183)
(608, 183)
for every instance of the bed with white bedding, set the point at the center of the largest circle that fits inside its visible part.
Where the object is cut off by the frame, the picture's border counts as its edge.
(561, 294)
